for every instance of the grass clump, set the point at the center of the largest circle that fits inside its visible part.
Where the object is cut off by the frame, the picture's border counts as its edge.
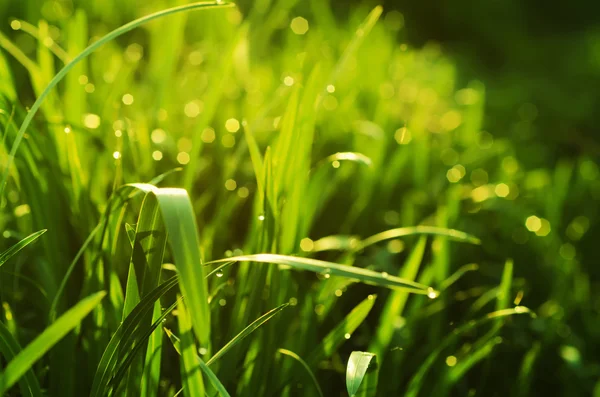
(260, 201)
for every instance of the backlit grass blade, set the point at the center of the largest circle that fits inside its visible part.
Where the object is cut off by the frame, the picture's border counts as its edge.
(408, 231)
(306, 367)
(503, 299)
(23, 361)
(361, 374)
(333, 269)
(191, 377)
(180, 222)
(454, 277)
(346, 156)
(9, 348)
(359, 36)
(396, 301)
(342, 332)
(246, 331)
(91, 48)
(9, 253)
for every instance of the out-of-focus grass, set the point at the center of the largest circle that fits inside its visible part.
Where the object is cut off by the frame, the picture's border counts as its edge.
(301, 142)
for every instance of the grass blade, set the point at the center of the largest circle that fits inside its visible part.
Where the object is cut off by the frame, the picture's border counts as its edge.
(247, 331)
(9, 348)
(409, 231)
(40, 345)
(362, 371)
(216, 383)
(191, 378)
(9, 253)
(333, 269)
(342, 331)
(296, 357)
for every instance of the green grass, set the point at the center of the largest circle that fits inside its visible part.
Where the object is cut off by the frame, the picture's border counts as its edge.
(270, 201)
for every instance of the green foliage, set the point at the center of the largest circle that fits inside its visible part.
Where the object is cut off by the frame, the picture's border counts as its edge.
(300, 232)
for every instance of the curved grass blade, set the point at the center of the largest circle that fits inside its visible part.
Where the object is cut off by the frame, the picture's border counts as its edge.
(361, 371)
(458, 274)
(113, 204)
(296, 357)
(342, 331)
(9, 348)
(180, 222)
(334, 269)
(354, 157)
(23, 361)
(409, 231)
(191, 377)
(247, 331)
(9, 253)
(417, 381)
(203, 366)
(91, 48)
(336, 243)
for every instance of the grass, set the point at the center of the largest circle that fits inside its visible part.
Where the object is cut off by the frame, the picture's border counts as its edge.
(271, 201)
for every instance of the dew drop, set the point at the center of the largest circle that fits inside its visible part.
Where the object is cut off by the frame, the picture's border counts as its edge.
(385, 275)
(219, 273)
(261, 217)
(347, 335)
(202, 351)
(431, 293)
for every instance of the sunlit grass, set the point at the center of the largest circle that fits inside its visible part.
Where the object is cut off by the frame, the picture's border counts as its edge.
(336, 187)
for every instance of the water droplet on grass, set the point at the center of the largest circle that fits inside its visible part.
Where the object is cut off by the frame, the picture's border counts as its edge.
(432, 294)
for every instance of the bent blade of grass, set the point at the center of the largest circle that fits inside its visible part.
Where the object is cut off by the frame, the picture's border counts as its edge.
(180, 222)
(118, 194)
(354, 157)
(23, 361)
(310, 373)
(9, 253)
(214, 380)
(409, 231)
(247, 331)
(361, 374)
(454, 277)
(9, 348)
(91, 48)
(333, 269)
(340, 333)
(191, 378)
